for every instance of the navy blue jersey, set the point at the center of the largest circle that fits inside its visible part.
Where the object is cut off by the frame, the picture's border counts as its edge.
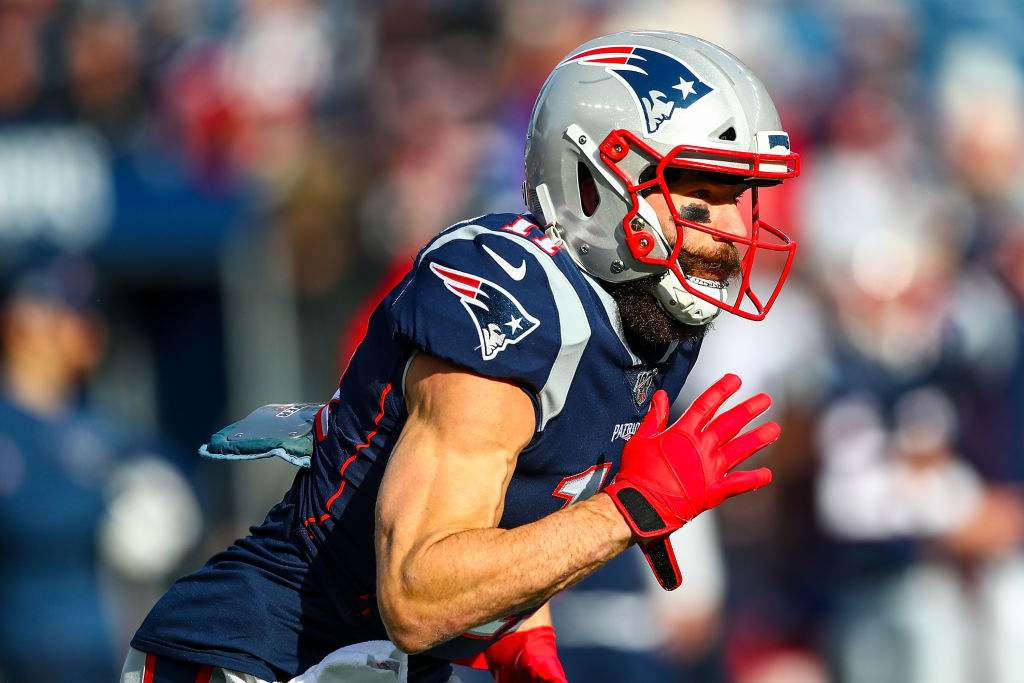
(494, 295)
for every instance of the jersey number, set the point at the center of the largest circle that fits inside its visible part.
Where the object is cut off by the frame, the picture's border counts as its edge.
(583, 485)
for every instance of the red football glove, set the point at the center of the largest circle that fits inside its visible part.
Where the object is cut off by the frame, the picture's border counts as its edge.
(526, 657)
(670, 475)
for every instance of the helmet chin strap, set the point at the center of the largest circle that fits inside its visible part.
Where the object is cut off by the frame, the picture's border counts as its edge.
(684, 306)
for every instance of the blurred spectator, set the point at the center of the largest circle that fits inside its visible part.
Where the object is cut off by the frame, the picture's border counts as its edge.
(920, 533)
(101, 46)
(621, 625)
(89, 520)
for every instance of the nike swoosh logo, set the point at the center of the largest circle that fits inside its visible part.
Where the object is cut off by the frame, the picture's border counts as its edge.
(515, 272)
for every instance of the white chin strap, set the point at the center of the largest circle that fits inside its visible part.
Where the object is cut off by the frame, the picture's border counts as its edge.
(685, 307)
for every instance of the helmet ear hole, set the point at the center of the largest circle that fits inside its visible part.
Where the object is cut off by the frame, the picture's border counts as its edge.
(646, 176)
(590, 199)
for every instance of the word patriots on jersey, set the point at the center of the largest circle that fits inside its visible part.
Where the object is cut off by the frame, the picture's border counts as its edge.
(625, 430)
(500, 319)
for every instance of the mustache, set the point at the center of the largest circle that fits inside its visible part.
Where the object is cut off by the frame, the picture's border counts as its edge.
(723, 264)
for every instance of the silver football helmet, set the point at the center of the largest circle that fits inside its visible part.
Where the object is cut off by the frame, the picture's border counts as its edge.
(623, 109)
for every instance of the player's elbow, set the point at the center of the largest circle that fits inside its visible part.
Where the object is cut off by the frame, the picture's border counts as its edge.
(409, 640)
(409, 628)
(411, 635)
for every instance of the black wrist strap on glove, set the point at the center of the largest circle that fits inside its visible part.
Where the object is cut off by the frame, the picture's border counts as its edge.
(662, 559)
(644, 520)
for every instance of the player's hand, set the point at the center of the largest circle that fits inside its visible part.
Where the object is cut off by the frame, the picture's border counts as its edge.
(670, 474)
(526, 657)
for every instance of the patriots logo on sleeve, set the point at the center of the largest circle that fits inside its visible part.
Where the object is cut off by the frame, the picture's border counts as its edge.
(659, 82)
(500, 319)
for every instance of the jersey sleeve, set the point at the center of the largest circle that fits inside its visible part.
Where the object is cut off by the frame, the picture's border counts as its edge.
(483, 299)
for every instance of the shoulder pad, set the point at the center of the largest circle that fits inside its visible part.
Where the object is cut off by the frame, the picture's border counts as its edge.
(492, 298)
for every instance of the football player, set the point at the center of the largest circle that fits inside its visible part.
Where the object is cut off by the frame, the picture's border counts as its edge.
(502, 430)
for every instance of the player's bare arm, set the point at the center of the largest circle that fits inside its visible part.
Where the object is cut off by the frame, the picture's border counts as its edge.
(443, 565)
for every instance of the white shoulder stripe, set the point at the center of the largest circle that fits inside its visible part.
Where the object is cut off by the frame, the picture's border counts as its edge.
(612, 310)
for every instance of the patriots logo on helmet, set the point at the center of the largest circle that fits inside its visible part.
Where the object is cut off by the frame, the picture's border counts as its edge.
(500, 319)
(660, 83)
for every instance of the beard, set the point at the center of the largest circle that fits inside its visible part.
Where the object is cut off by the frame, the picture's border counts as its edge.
(647, 325)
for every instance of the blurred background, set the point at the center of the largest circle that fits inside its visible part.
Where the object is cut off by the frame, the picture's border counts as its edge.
(199, 197)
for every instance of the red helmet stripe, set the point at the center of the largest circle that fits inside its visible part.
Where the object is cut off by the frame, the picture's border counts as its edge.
(602, 55)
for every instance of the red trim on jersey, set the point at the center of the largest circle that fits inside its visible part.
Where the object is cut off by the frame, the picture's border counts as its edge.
(322, 421)
(147, 671)
(376, 420)
(337, 494)
(344, 466)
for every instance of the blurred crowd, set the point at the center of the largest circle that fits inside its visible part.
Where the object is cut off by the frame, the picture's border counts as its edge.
(198, 197)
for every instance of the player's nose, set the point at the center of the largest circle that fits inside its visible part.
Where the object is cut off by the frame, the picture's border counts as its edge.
(728, 219)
